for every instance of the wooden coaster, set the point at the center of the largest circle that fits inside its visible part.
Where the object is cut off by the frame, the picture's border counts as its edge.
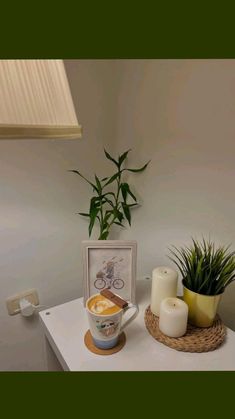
(196, 339)
(90, 345)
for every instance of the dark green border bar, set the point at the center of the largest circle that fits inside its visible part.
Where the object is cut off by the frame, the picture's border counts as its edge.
(123, 29)
(168, 393)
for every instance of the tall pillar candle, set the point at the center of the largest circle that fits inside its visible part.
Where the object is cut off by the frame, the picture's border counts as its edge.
(164, 284)
(173, 317)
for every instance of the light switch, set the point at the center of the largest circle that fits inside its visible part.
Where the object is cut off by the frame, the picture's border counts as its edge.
(13, 302)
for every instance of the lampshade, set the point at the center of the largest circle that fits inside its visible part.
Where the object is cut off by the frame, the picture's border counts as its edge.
(35, 100)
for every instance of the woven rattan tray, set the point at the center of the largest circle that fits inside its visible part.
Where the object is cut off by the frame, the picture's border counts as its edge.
(196, 339)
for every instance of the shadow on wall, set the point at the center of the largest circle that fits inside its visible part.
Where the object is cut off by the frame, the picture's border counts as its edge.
(227, 307)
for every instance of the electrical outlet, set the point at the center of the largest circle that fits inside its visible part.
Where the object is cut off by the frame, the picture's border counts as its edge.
(12, 303)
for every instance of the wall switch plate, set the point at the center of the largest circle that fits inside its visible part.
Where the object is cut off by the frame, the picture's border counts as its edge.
(12, 303)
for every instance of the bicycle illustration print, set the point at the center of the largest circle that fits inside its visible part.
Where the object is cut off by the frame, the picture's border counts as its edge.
(108, 276)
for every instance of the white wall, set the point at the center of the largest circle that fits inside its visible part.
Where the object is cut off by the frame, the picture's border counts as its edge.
(40, 233)
(179, 113)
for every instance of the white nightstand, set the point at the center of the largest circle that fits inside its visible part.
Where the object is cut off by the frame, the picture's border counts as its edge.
(66, 324)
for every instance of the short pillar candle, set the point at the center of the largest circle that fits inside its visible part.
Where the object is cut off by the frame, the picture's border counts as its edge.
(173, 317)
(164, 284)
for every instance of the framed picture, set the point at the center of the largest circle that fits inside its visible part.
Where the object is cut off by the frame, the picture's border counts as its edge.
(109, 264)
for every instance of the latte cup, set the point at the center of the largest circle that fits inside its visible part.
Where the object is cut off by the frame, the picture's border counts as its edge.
(106, 328)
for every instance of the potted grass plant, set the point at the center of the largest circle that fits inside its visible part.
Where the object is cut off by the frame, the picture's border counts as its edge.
(206, 271)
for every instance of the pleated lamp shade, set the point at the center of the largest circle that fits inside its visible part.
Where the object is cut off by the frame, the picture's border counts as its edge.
(35, 100)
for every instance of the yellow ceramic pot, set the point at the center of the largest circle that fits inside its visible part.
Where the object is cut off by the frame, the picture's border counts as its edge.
(202, 309)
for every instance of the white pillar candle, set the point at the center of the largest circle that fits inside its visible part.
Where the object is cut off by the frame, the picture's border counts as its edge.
(173, 317)
(164, 284)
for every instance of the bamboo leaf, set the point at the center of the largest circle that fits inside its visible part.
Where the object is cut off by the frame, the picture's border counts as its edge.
(104, 235)
(123, 187)
(136, 204)
(112, 178)
(118, 214)
(90, 183)
(123, 157)
(141, 169)
(126, 212)
(119, 224)
(95, 202)
(131, 194)
(111, 158)
(126, 191)
(93, 213)
(110, 202)
(108, 193)
(107, 216)
(99, 187)
(105, 225)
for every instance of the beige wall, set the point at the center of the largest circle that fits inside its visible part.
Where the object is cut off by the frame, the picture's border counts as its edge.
(40, 232)
(179, 113)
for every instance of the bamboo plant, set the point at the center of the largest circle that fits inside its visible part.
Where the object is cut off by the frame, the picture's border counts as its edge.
(205, 269)
(110, 203)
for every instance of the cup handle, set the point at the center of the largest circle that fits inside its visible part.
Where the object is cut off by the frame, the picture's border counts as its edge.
(130, 306)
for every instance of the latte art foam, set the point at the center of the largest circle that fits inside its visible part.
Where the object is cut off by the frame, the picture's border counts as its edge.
(101, 305)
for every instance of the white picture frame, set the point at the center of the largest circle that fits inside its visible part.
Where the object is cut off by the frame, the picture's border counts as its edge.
(109, 264)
